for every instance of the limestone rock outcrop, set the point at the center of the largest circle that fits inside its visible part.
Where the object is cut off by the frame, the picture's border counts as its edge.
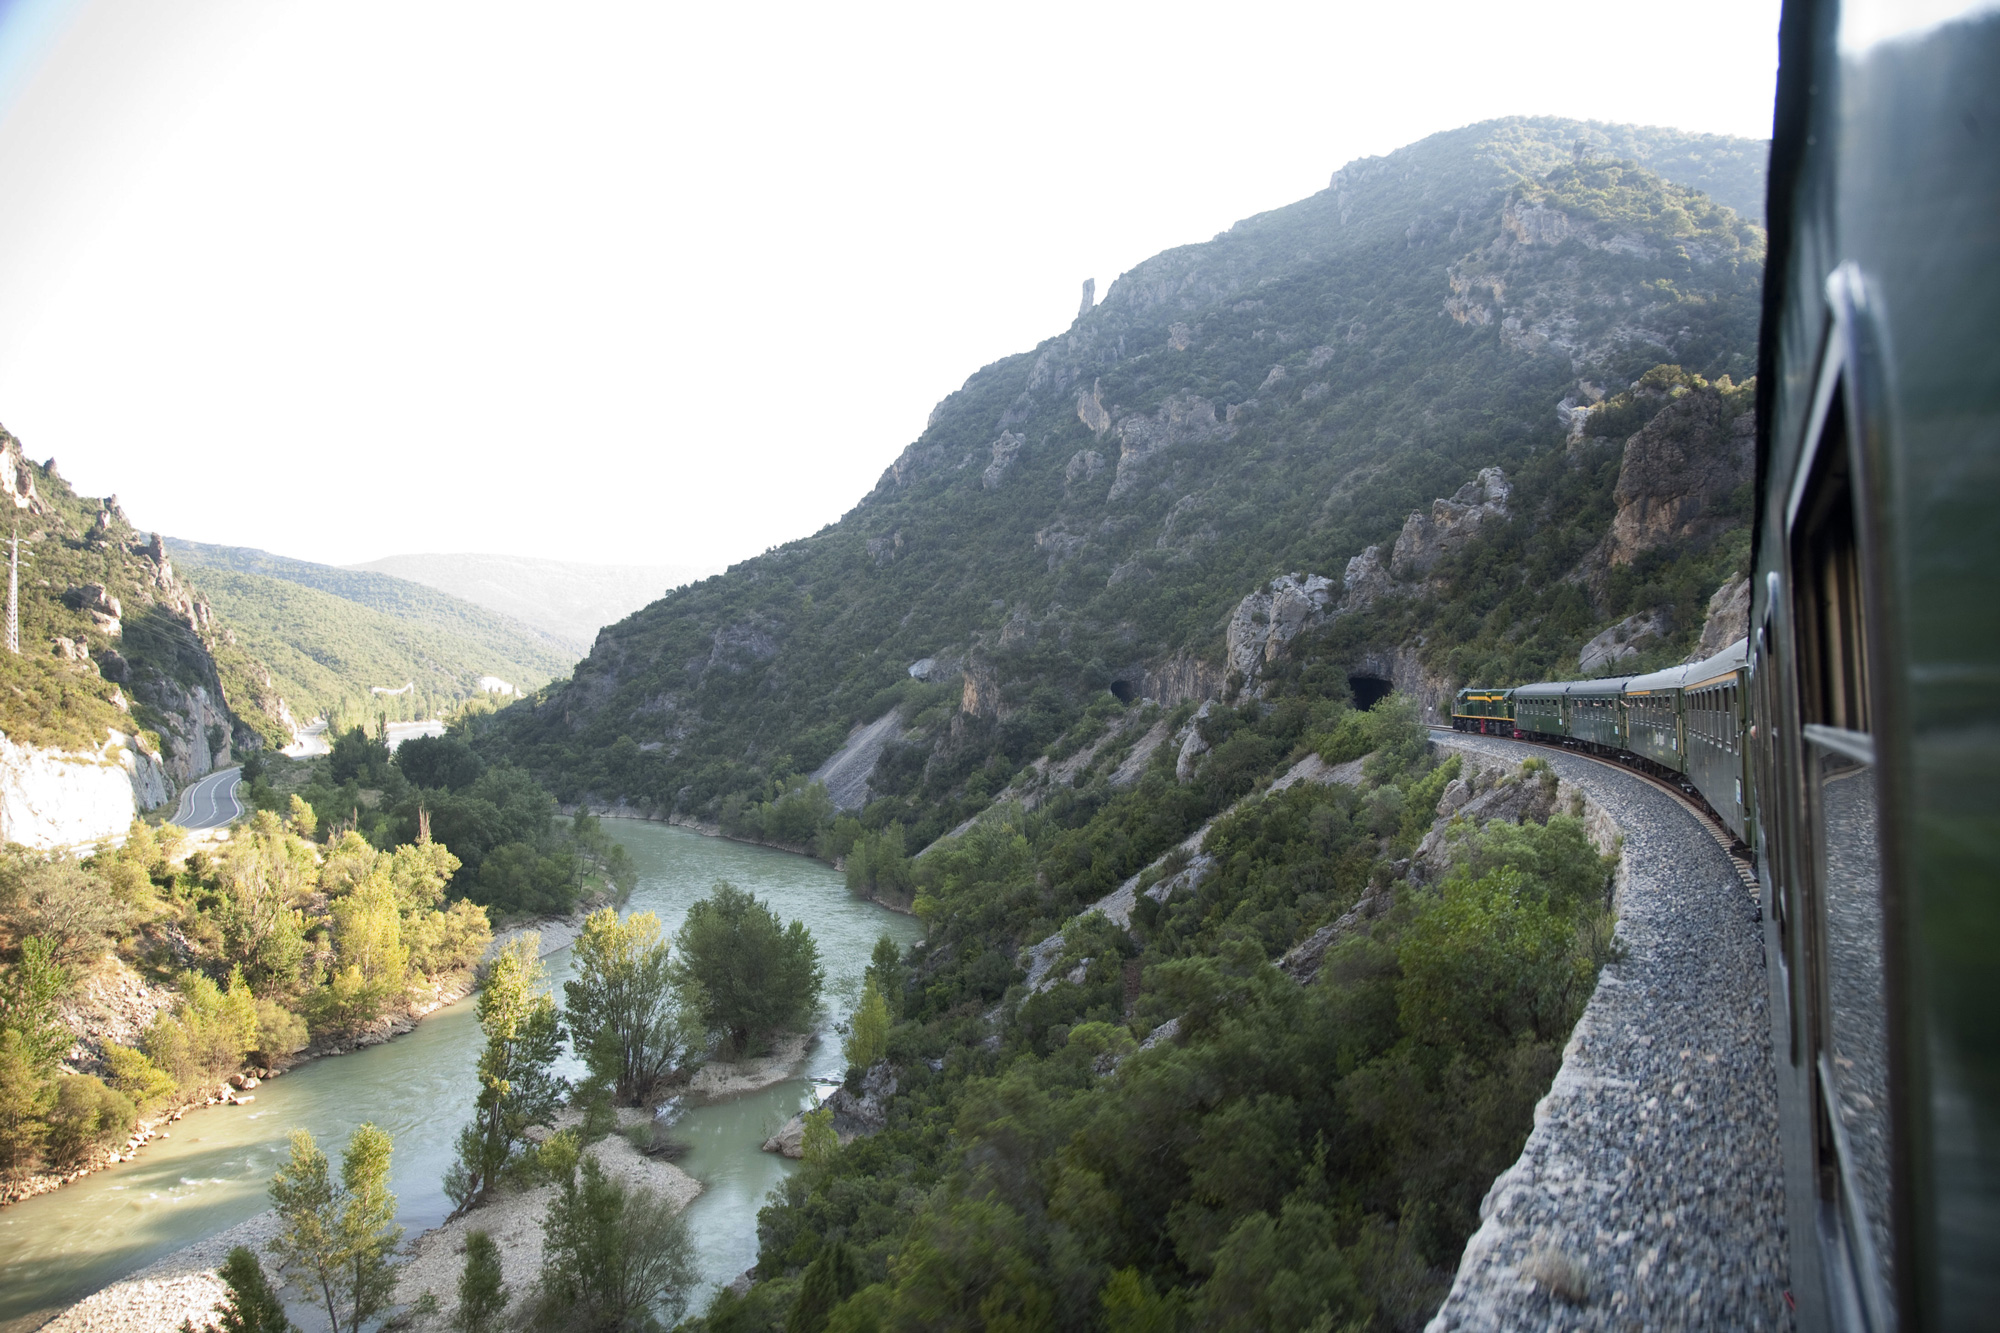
(1679, 472)
(1184, 418)
(1005, 450)
(1626, 639)
(1270, 618)
(1728, 619)
(51, 799)
(1427, 537)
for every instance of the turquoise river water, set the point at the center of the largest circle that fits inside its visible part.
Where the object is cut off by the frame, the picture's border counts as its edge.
(212, 1172)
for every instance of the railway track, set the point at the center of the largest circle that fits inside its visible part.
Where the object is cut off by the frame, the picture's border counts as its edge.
(1690, 800)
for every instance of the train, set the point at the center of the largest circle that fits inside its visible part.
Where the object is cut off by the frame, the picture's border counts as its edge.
(1851, 741)
(1687, 723)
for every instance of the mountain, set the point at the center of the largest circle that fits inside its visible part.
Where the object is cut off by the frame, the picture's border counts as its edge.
(570, 602)
(1507, 302)
(337, 641)
(127, 684)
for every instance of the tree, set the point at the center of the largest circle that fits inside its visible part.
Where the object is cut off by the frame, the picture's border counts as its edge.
(611, 1256)
(518, 1086)
(85, 1115)
(206, 1034)
(868, 1030)
(624, 1015)
(439, 761)
(251, 1306)
(368, 1230)
(756, 976)
(25, 1097)
(818, 1140)
(829, 1279)
(338, 1235)
(481, 1297)
(65, 904)
(28, 1001)
(137, 1077)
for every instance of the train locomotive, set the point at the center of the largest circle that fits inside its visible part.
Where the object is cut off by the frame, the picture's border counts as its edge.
(1851, 742)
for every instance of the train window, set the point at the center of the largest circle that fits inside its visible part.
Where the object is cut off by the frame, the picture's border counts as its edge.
(1848, 991)
(1826, 579)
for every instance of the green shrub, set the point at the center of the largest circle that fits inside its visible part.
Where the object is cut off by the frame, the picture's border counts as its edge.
(86, 1116)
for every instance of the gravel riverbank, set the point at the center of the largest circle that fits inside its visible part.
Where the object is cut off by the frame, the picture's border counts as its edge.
(1650, 1193)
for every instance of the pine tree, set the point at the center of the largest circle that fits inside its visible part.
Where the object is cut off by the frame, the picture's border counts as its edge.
(251, 1306)
(831, 1278)
(481, 1297)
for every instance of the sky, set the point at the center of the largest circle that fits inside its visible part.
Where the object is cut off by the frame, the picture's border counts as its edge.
(660, 283)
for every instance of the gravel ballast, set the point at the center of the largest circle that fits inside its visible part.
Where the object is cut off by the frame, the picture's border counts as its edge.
(1650, 1193)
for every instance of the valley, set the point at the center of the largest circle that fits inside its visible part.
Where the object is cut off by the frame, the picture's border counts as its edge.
(1220, 989)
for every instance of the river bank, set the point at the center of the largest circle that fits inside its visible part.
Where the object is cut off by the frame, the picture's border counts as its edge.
(185, 1285)
(212, 1174)
(440, 991)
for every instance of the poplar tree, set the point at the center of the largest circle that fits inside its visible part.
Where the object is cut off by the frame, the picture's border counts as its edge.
(868, 1030)
(624, 1012)
(518, 1086)
(337, 1235)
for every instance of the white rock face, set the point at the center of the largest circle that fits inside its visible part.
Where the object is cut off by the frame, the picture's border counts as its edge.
(1270, 618)
(51, 799)
(1728, 619)
(1005, 450)
(1626, 639)
(1400, 568)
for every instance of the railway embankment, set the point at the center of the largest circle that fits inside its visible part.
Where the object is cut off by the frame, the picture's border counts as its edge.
(1650, 1193)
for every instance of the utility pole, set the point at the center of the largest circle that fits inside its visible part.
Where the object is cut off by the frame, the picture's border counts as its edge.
(14, 593)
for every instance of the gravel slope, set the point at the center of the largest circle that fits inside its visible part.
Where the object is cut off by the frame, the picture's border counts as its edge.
(1650, 1193)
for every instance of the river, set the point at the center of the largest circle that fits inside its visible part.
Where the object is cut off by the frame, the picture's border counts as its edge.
(212, 1173)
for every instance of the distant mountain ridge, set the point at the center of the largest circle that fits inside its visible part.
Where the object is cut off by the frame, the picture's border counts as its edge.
(567, 600)
(331, 636)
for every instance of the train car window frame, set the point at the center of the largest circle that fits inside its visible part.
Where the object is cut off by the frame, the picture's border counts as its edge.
(1847, 926)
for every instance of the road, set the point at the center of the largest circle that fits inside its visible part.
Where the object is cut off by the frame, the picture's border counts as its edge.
(311, 741)
(211, 802)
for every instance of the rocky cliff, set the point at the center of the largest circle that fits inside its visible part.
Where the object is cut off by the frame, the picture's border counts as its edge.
(53, 798)
(117, 697)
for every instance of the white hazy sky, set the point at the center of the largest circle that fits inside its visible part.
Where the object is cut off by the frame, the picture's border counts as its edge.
(657, 282)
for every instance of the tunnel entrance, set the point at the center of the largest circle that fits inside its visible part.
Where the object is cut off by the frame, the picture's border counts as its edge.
(1124, 690)
(1368, 690)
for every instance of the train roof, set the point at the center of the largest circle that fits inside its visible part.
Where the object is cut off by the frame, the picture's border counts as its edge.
(1699, 673)
(1725, 663)
(1502, 690)
(1548, 689)
(1586, 689)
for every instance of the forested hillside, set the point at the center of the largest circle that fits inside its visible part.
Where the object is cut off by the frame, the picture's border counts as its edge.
(1090, 514)
(1235, 993)
(112, 638)
(330, 635)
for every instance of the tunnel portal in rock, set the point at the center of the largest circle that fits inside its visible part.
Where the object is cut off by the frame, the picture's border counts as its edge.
(1125, 690)
(1368, 690)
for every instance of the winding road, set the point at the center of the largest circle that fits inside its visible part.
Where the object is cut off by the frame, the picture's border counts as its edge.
(211, 802)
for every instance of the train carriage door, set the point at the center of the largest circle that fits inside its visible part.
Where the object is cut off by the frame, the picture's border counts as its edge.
(1848, 953)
